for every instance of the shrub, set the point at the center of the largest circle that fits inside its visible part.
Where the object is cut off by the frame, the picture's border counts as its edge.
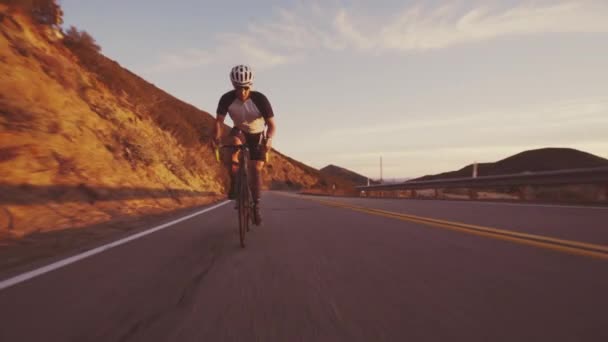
(46, 12)
(80, 40)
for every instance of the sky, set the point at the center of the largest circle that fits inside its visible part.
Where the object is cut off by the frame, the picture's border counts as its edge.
(429, 86)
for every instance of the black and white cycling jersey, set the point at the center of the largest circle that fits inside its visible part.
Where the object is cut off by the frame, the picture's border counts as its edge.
(248, 116)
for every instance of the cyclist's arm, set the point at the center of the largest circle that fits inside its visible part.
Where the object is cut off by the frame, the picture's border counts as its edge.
(217, 129)
(222, 110)
(271, 127)
(270, 131)
(261, 101)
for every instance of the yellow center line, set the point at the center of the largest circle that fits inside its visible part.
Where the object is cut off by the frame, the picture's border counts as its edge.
(546, 242)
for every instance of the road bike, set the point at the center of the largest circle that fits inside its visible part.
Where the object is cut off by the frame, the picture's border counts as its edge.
(244, 201)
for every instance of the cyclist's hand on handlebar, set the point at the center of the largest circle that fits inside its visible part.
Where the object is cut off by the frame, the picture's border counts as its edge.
(268, 144)
(215, 142)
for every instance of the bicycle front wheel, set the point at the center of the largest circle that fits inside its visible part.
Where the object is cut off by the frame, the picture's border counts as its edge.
(243, 207)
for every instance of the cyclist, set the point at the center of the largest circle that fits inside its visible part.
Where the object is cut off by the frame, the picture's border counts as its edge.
(251, 112)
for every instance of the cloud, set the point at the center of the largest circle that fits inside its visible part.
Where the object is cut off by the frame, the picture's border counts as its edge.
(187, 59)
(291, 34)
(264, 58)
(239, 49)
(589, 112)
(346, 32)
(417, 27)
(421, 29)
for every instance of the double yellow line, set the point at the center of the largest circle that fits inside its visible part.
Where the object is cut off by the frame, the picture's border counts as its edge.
(565, 246)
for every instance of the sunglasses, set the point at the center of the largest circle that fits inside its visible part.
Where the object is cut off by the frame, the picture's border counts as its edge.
(246, 88)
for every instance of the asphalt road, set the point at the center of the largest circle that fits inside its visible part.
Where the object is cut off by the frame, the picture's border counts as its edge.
(317, 272)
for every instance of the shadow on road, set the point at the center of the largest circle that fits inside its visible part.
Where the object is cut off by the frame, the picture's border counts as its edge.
(26, 194)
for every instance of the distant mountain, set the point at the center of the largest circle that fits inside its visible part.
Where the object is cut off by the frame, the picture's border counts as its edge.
(544, 159)
(333, 171)
(395, 180)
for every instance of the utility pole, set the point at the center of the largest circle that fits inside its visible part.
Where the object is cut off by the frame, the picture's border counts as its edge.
(475, 170)
(381, 179)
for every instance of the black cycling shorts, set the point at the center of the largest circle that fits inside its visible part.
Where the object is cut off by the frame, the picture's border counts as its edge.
(255, 143)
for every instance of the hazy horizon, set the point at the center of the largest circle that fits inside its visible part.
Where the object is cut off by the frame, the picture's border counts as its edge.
(429, 87)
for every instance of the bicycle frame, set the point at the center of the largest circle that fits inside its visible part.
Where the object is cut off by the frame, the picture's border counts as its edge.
(244, 200)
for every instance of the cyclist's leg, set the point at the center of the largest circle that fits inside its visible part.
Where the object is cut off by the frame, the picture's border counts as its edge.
(235, 138)
(255, 170)
(256, 165)
(255, 184)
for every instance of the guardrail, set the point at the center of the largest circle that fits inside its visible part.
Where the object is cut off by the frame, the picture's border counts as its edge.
(523, 185)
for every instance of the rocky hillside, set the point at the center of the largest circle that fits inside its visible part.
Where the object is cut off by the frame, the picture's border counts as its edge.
(84, 141)
(342, 173)
(544, 159)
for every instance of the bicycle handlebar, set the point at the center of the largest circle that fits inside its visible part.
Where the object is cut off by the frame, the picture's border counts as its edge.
(243, 146)
(239, 147)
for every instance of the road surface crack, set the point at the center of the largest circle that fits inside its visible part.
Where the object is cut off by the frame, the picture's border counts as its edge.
(189, 290)
(186, 294)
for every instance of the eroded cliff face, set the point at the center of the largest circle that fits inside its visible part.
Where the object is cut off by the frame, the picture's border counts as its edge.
(72, 153)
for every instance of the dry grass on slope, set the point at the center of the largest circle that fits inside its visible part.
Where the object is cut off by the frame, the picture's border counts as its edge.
(72, 153)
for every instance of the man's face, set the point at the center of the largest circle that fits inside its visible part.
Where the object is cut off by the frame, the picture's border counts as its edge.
(242, 92)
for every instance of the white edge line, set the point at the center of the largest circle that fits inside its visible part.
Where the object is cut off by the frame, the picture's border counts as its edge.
(61, 263)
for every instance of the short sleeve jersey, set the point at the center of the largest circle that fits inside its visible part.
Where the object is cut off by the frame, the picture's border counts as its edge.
(249, 116)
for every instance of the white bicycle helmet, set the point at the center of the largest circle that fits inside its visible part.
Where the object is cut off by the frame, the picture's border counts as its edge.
(241, 75)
